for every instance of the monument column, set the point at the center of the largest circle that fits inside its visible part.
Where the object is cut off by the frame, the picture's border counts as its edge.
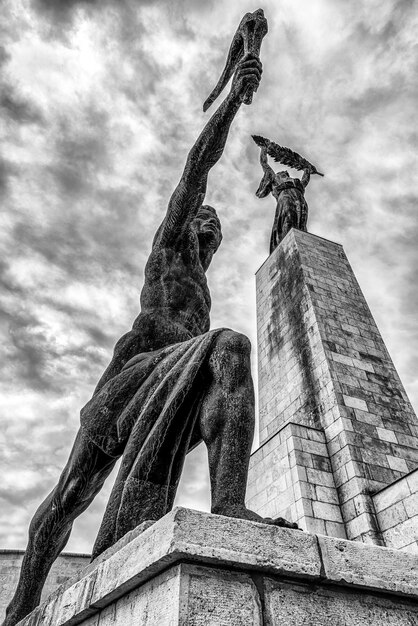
(336, 425)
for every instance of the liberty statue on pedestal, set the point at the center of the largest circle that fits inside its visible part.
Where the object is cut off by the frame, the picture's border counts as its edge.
(291, 206)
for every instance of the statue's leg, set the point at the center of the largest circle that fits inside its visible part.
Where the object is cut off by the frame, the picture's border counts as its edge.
(147, 481)
(290, 220)
(135, 498)
(227, 422)
(303, 215)
(49, 531)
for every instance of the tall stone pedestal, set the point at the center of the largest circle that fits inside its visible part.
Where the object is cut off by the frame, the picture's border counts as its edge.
(336, 426)
(199, 569)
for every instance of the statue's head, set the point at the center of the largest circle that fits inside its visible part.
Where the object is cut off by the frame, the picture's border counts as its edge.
(282, 177)
(207, 227)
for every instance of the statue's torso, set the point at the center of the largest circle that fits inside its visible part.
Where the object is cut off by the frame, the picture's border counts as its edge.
(175, 299)
(291, 188)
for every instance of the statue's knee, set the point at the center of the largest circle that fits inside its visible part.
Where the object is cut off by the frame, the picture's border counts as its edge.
(231, 342)
(230, 361)
(56, 507)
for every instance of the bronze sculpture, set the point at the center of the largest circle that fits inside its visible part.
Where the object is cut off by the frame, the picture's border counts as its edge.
(172, 382)
(289, 193)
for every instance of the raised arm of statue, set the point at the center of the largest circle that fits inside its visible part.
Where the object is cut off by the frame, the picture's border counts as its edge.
(265, 185)
(264, 162)
(306, 177)
(189, 194)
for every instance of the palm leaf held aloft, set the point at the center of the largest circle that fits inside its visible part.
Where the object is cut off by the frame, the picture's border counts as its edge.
(284, 155)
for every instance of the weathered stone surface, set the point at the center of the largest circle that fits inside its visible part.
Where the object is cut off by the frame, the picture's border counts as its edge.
(279, 483)
(129, 580)
(397, 512)
(369, 566)
(210, 539)
(213, 597)
(323, 365)
(156, 602)
(310, 605)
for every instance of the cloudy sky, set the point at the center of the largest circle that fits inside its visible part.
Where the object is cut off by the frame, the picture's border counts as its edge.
(100, 102)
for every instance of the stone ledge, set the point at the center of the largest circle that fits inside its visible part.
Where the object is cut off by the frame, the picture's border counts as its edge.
(202, 538)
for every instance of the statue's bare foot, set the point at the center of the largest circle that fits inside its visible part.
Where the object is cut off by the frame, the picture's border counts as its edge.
(241, 512)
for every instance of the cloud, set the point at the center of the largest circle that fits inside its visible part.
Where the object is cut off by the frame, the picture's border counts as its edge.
(18, 109)
(62, 11)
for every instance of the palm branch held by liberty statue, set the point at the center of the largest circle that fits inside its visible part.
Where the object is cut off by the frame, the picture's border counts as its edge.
(291, 206)
(171, 382)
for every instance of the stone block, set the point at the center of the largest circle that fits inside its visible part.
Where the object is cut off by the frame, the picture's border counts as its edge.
(386, 435)
(403, 534)
(302, 489)
(368, 418)
(216, 597)
(314, 447)
(391, 494)
(312, 525)
(411, 505)
(412, 547)
(368, 566)
(326, 494)
(304, 605)
(211, 538)
(318, 477)
(355, 403)
(397, 464)
(325, 511)
(335, 529)
(392, 516)
(412, 480)
(358, 526)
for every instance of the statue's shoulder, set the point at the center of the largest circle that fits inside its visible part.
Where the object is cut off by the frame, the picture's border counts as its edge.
(292, 183)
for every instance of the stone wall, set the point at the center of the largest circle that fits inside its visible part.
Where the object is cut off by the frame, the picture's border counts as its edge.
(290, 476)
(64, 568)
(200, 569)
(397, 513)
(323, 365)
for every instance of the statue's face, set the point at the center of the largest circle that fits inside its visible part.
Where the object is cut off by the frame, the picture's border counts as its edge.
(283, 176)
(208, 230)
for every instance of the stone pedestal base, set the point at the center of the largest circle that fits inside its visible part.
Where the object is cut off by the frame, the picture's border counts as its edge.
(196, 568)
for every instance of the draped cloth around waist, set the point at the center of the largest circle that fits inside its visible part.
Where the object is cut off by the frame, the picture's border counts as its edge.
(156, 395)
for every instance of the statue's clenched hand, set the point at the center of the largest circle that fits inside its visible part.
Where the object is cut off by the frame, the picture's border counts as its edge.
(247, 77)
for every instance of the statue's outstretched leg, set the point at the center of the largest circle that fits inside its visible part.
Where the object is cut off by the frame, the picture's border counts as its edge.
(227, 422)
(49, 531)
(147, 481)
(290, 220)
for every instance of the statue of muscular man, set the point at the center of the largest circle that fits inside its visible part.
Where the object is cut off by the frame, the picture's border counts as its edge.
(171, 383)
